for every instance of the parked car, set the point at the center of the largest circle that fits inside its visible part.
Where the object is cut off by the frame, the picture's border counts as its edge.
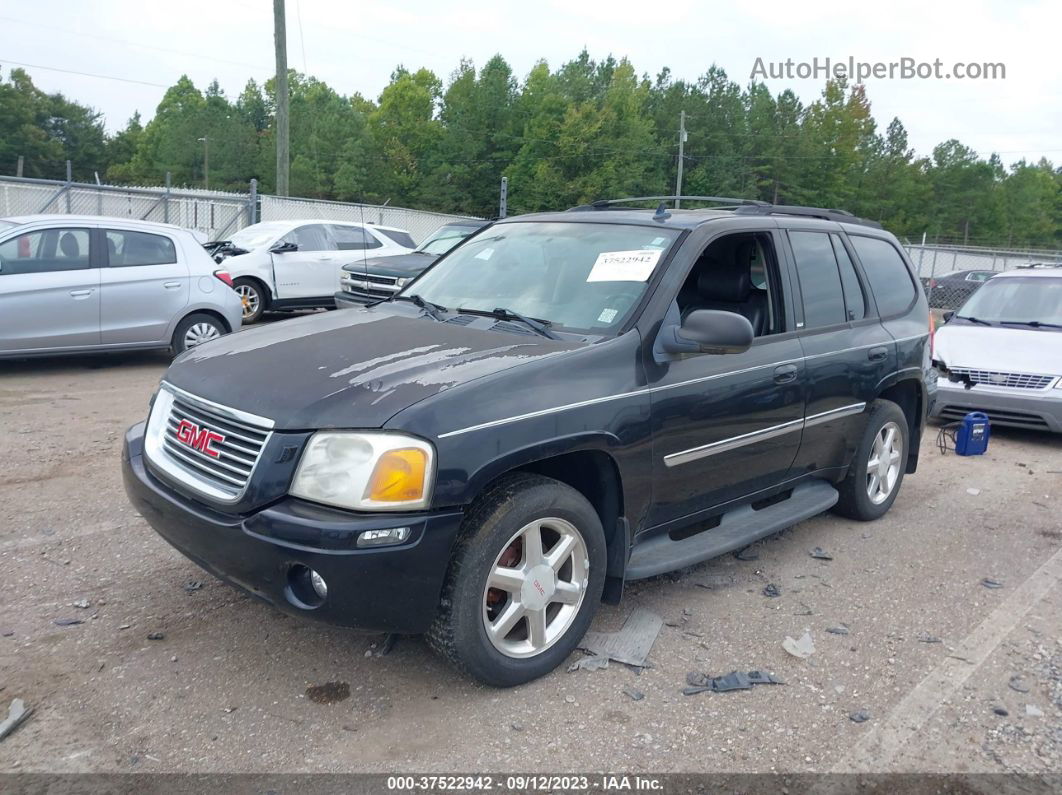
(949, 290)
(71, 283)
(1002, 352)
(565, 402)
(381, 277)
(278, 265)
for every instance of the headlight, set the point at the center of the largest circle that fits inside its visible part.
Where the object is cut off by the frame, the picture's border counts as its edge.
(1058, 384)
(366, 471)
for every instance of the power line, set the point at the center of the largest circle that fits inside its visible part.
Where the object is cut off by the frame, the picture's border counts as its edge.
(83, 74)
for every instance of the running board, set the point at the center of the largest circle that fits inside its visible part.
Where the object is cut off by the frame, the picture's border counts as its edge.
(738, 528)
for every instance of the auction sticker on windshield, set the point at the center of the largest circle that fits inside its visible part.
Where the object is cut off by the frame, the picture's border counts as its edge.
(624, 266)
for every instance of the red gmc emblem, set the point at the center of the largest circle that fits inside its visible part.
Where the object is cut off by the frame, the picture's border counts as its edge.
(199, 438)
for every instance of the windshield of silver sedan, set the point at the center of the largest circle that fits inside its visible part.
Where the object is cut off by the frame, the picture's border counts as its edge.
(578, 277)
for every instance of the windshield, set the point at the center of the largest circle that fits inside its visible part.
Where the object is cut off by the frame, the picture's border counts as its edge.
(581, 277)
(445, 239)
(258, 235)
(1016, 300)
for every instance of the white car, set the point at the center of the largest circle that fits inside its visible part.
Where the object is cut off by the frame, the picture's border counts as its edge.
(73, 283)
(297, 264)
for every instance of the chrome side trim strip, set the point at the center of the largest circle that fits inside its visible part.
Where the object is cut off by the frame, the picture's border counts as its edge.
(724, 445)
(834, 414)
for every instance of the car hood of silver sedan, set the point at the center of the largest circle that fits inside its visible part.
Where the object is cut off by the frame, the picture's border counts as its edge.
(1008, 350)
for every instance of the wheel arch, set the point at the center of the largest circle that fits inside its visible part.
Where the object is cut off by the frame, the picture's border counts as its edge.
(263, 288)
(910, 395)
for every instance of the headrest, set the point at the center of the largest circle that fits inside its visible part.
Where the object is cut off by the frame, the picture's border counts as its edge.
(68, 245)
(727, 280)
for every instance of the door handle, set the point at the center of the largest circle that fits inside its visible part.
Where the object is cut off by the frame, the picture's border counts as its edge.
(878, 354)
(171, 285)
(80, 293)
(785, 373)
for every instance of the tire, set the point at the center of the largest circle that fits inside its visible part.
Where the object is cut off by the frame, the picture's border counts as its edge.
(201, 327)
(856, 500)
(508, 511)
(254, 299)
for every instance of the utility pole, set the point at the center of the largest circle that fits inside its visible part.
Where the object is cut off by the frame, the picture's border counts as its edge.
(682, 148)
(205, 140)
(281, 43)
(18, 169)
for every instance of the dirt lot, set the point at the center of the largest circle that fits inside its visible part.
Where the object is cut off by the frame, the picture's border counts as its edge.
(225, 689)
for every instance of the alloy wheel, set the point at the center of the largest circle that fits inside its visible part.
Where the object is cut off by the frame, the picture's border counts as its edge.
(883, 466)
(249, 298)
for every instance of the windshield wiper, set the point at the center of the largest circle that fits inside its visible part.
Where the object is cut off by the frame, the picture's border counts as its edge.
(540, 327)
(430, 309)
(1033, 323)
(974, 320)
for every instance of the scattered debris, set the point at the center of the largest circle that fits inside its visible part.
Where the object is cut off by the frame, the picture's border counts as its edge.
(388, 644)
(735, 680)
(1000, 711)
(516, 727)
(193, 585)
(840, 629)
(802, 648)
(804, 611)
(712, 582)
(859, 716)
(632, 644)
(67, 622)
(1016, 683)
(155, 636)
(973, 492)
(16, 714)
(772, 591)
(1033, 711)
(6, 633)
(820, 554)
(747, 554)
(591, 663)
(634, 695)
(988, 582)
(925, 637)
(328, 693)
(81, 604)
(569, 699)
(124, 626)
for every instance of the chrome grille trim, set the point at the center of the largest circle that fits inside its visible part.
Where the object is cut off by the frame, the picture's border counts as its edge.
(1005, 379)
(223, 479)
(369, 285)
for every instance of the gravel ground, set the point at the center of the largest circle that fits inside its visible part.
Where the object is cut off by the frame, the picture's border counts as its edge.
(931, 653)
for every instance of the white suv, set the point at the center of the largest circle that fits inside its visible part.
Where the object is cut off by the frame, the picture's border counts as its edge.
(297, 264)
(71, 283)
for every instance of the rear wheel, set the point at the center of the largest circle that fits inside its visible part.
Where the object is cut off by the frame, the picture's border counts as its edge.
(524, 582)
(253, 298)
(195, 330)
(874, 478)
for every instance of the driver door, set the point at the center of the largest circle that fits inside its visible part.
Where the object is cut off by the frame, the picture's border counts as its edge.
(310, 271)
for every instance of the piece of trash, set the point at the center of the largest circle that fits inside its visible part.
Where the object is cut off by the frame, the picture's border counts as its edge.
(988, 582)
(840, 629)
(927, 638)
(712, 582)
(802, 648)
(634, 695)
(124, 626)
(747, 554)
(67, 622)
(569, 699)
(973, 492)
(804, 611)
(820, 554)
(591, 663)
(1000, 711)
(735, 680)
(16, 714)
(328, 693)
(6, 633)
(1018, 684)
(193, 585)
(155, 636)
(632, 644)
(859, 716)
(388, 644)
(82, 604)
(1033, 711)
(772, 591)
(516, 727)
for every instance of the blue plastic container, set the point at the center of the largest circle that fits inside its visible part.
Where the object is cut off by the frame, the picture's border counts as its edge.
(971, 438)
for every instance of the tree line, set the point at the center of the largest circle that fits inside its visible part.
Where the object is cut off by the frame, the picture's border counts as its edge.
(586, 130)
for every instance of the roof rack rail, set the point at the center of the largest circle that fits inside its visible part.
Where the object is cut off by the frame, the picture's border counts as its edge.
(840, 216)
(604, 204)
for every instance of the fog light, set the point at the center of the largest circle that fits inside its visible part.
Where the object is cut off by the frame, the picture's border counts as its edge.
(383, 538)
(320, 587)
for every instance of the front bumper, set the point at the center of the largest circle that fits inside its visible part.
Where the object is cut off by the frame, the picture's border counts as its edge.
(388, 589)
(1039, 409)
(345, 300)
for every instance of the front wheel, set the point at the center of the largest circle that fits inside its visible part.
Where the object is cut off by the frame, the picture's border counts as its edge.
(524, 581)
(874, 478)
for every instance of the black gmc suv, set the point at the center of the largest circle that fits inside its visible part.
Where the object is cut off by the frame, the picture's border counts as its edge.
(564, 402)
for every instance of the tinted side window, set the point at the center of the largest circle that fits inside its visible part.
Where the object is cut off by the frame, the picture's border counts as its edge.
(46, 250)
(820, 284)
(889, 278)
(138, 248)
(853, 291)
(312, 237)
(402, 238)
(353, 238)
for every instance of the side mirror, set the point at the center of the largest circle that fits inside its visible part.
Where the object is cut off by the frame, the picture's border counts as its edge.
(283, 248)
(948, 315)
(709, 331)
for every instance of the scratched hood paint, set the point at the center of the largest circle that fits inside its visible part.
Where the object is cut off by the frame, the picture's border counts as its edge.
(354, 368)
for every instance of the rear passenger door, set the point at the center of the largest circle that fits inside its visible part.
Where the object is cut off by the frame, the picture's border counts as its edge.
(49, 290)
(846, 351)
(143, 285)
(312, 270)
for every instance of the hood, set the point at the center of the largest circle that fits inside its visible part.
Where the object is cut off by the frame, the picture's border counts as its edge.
(398, 265)
(354, 368)
(1008, 350)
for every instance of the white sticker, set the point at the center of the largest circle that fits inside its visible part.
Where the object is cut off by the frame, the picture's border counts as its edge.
(486, 253)
(607, 316)
(658, 242)
(624, 266)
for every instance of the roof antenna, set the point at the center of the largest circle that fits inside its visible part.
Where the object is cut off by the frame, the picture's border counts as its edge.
(661, 213)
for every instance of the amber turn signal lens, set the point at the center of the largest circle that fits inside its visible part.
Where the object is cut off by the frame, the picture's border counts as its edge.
(399, 476)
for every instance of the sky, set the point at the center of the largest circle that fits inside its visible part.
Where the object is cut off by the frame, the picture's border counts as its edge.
(355, 46)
